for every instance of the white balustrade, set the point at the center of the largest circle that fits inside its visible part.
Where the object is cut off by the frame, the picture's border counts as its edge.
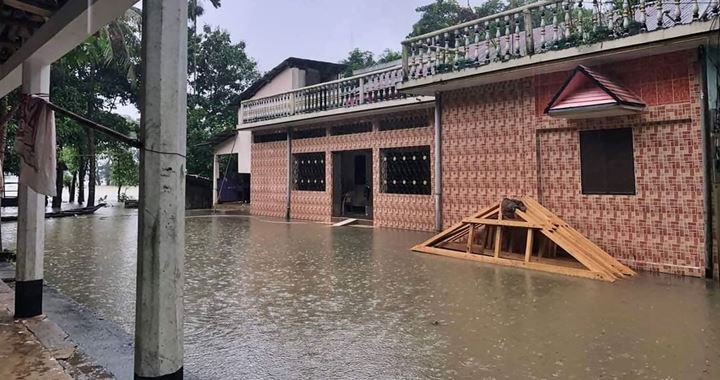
(372, 87)
(541, 26)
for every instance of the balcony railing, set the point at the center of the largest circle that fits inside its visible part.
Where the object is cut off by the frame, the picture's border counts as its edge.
(374, 87)
(543, 26)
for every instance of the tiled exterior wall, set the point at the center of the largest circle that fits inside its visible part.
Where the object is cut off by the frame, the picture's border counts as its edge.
(498, 143)
(490, 151)
(269, 170)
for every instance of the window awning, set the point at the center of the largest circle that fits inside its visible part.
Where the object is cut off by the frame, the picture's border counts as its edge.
(588, 94)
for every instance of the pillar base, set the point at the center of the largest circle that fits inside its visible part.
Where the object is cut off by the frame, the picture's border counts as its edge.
(28, 298)
(178, 375)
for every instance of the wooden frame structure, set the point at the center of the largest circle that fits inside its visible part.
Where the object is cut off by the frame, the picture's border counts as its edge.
(534, 238)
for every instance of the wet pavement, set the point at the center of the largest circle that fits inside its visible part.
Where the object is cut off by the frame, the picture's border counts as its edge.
(267, 299)
(22, 356)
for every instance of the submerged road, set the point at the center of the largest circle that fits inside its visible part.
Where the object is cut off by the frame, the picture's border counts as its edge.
(265, 299)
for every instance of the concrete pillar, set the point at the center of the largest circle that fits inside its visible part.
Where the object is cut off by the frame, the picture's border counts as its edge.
(31, 218)
(288, 195)
(216, 175)
(161, 217)
(438, 162)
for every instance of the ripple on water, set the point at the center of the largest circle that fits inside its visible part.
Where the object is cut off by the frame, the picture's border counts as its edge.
(271, 300)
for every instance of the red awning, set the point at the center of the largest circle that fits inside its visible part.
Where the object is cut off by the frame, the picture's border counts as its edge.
(587, 94)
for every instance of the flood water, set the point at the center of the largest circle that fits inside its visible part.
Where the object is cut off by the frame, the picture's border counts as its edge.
(266, 299)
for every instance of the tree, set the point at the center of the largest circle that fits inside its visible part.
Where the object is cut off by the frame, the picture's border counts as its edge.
(219, 70)
(388, 56)
(124, 169)
(93, 79)
(357, 59)
(441, 14)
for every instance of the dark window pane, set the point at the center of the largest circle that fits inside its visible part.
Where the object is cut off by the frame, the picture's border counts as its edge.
(606, 161)
(309, 171)
(405, 170)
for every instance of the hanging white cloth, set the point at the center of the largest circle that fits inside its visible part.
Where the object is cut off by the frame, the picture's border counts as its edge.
(35, 143)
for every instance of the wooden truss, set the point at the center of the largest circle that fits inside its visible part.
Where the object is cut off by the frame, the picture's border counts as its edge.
(534, 239)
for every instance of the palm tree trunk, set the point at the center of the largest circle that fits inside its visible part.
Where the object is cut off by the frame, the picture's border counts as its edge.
(57, 200)
(72, 187)
(81, 181)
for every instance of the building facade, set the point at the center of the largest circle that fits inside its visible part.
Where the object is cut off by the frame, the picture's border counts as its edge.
(482, 112)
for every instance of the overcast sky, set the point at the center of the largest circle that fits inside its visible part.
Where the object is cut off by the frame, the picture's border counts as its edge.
(324, 30)
(315, 29)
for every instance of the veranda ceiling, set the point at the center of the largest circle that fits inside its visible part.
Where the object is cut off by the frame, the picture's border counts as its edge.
(19, 19)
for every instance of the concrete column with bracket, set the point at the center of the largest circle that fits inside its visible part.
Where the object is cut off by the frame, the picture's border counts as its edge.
(31, 217)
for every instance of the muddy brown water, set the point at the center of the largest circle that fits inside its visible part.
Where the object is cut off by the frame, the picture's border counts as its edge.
(266, 299)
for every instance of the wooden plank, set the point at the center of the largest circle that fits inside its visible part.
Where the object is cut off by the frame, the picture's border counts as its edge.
(528, 245)
(590, 263)
(471, 237)
(454, 228)
(506, 223)
(345, 222)
(517, 264)
(498, 240)
(577, 235)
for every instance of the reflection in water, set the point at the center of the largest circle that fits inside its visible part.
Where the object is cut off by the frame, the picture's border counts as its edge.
(273, 300)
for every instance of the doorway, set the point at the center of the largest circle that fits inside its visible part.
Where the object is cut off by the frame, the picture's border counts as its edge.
(352, 184)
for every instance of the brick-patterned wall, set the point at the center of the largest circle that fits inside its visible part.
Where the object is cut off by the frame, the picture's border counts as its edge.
(268, 179)
(490, 151)
(269, 169)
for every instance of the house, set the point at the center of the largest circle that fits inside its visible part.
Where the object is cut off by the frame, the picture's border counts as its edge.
(603, 114)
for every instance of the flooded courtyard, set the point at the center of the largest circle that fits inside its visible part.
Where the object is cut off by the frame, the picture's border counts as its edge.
(269, 299)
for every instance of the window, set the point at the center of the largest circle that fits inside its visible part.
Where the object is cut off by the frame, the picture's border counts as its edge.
(405, 170)
(419, 121)
(607, 164)
(309, 171)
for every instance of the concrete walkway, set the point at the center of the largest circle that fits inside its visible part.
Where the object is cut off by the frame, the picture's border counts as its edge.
(22, 356)
(37, 348)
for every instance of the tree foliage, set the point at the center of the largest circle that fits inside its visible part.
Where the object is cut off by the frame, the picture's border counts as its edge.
(219, 70)
(439, 15)
(360, 59)
(124, 169)
(446, 13)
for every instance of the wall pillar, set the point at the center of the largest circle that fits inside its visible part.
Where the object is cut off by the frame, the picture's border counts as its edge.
(438, 162)
(31, 217)
(289, 174)
(216, 175)
(161, 216)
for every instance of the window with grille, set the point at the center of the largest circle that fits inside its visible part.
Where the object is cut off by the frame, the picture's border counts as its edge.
(309, 171)
(607, 164)
(405, 170)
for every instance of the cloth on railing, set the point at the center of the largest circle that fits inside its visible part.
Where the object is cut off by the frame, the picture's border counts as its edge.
(35, 143)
